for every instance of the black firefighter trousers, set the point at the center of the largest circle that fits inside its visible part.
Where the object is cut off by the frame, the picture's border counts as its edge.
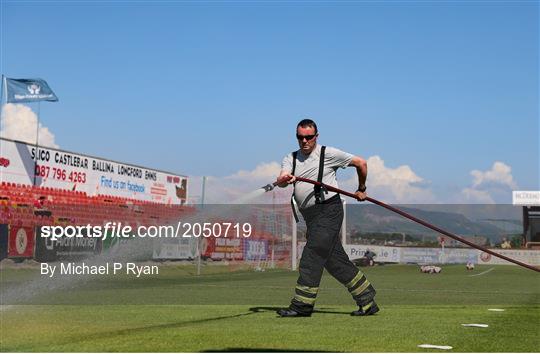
(324, 250)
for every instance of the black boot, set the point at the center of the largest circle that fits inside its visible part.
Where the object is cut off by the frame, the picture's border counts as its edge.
(288, 312)
(373, 309)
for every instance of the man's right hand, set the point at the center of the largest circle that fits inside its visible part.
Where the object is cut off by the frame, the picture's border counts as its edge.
(285, 179)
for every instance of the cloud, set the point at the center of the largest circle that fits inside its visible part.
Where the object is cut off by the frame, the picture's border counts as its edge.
(493, 185)
(263, 171)
(394, 185)
(500, 174)
(19, 122)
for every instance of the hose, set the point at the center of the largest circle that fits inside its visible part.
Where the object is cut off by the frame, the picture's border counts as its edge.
(419, 221)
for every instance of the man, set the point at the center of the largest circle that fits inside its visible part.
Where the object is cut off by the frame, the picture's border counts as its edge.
(369, 255)
(323, 213)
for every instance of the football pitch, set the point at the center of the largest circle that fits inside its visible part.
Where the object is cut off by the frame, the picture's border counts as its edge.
(234, 310)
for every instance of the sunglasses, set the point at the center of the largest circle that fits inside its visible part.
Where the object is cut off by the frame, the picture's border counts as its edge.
(307, 137)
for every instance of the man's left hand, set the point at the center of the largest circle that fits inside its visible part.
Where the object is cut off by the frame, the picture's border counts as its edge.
(360, 196)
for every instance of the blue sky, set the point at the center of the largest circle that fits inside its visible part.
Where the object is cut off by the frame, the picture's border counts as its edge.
(212, 88)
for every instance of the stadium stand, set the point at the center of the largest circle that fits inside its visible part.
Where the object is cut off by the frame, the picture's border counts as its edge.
(25, 205)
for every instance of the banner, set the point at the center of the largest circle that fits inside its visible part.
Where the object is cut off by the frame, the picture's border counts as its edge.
(76, 172)
(421, 255)
(458, 255)
(222, 248)
(28, 90)
(526, 256)
(383, 253)
(175, 248)
(65, 248)
(255, 250)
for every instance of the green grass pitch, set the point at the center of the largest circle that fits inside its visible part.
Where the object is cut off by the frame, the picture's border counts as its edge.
(234, 310)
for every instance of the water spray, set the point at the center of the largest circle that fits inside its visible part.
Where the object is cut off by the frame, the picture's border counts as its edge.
(269, 187)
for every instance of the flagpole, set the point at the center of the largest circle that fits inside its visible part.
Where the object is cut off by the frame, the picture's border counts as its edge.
(2, 99)
(37, 139)
(2, 93)
(4, 89)
(2, 111)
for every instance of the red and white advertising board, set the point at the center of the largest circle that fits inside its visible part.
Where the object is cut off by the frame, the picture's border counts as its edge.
(222, 248)
(21, 163)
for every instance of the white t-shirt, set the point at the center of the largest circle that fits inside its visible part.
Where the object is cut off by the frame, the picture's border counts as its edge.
(308, 167)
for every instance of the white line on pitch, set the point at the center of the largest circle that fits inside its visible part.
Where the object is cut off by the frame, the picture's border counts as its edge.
(484, 272)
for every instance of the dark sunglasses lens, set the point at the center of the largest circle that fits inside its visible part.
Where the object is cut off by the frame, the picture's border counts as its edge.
(307, 137)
